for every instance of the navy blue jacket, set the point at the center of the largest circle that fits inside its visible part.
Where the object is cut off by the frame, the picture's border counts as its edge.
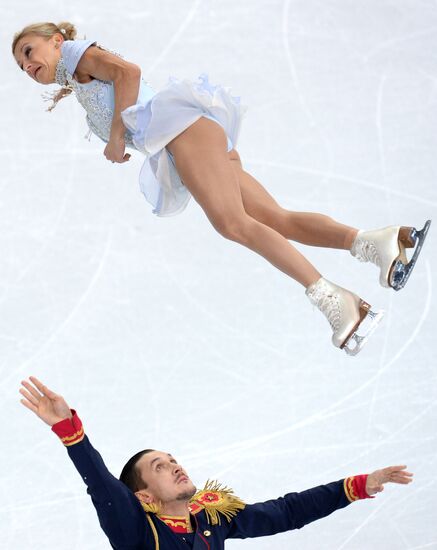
(128, 527)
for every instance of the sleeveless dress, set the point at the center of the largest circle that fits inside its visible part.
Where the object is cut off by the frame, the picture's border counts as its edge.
(155, 119)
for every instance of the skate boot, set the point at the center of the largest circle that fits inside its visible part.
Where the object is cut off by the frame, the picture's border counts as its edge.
(345, 312)
(387, 249)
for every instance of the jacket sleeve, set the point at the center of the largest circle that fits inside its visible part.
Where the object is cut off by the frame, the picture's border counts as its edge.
(120, 514)
(294, 510)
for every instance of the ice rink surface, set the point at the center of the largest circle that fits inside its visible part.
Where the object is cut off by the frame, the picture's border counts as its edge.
(162, 334)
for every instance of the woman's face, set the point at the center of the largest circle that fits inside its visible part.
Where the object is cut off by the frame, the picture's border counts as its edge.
(38, 56)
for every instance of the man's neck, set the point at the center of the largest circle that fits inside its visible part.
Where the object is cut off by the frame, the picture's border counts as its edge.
(175, 508)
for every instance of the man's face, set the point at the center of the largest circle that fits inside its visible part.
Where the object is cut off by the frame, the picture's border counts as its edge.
(166, 480)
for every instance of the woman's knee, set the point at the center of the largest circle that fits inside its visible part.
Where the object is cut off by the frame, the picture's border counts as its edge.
(235, 228)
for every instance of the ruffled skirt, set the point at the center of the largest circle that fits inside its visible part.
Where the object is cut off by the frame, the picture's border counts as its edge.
(154, 123)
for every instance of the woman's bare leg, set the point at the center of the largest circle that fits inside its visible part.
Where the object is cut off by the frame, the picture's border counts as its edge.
(204, 166)
(304, 227)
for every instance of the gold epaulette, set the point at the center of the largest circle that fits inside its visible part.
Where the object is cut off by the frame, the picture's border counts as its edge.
(216, 500)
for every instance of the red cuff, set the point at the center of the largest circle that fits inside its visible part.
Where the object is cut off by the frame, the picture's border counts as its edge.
(70, 430)
(355, 488)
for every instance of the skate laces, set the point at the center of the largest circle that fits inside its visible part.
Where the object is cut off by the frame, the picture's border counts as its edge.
(365, 251)
(326, 301)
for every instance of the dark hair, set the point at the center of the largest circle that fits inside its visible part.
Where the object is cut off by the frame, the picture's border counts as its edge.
(130, 475)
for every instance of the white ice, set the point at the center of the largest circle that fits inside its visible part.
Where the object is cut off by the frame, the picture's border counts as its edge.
(163, 334)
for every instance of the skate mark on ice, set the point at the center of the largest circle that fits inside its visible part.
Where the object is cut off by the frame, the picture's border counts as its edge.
(291, 65)
(42, 248)
(174, 39)
(373, 513)
(52, 337)
(379, 131)
(394, 513)
(384, 441)
(326, 177)
(200, 305)
(387, 327)
(332, 410)
(394, 41)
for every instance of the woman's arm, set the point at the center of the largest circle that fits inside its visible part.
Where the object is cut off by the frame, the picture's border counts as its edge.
(120, 514)
(103, 65)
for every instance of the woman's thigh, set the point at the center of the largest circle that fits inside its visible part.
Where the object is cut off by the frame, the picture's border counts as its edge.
(205, 166)
(258, 203)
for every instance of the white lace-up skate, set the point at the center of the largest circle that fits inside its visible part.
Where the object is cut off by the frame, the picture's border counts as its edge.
(345, 312)
(386, 248)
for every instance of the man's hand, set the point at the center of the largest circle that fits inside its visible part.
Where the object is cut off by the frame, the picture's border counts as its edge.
(392, 474)
(47, 405)
(114, 150)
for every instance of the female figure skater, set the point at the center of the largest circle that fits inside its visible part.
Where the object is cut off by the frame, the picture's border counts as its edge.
(189, 131)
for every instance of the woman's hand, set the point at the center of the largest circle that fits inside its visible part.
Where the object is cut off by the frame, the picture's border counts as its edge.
(114, 150)
(47, 405)
(392, 474)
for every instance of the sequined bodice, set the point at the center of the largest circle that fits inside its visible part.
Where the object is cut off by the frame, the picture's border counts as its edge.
(97, 98)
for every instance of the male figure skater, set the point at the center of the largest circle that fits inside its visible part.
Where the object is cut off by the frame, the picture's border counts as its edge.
(155, 505)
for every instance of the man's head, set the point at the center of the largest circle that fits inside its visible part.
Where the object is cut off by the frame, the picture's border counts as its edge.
(156, 478)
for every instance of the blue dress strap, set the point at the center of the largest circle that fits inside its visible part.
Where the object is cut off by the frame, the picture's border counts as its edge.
(72, 51)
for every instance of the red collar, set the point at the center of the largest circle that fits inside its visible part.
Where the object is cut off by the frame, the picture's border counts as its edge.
(178, 524)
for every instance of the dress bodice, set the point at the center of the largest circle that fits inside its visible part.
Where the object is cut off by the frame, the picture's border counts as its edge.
(96, 96)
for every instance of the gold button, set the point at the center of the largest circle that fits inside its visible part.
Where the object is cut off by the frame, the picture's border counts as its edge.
(207, 533)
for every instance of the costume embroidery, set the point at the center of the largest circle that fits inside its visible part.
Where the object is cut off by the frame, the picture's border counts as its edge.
(216, 500)
(154, 531)
(349, 489)
(151, 507)
(70, 430)
(73, 439)
(91, 97)
(178, 524)
(355, 487)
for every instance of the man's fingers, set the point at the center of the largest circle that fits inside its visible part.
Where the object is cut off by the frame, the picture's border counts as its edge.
(404, 478)
(392, 469)
(36, 383)
(29, 406)
(389, 473)
(43, 389)
(396, 474)
(29, 397)
(31, 390)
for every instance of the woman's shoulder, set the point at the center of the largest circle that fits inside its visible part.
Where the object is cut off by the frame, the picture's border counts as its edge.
(72, 51)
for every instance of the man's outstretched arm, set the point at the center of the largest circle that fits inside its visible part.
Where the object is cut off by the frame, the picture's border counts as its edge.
(295, 510)
(120, 514)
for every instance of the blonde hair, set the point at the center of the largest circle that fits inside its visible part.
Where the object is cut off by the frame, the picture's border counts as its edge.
(47, 30)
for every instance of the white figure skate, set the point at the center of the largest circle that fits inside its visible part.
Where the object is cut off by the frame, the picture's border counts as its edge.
(345, 312)
(386, 248)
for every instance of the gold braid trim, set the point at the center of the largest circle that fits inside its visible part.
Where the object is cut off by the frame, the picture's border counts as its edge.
(154, 531)
(349, 489)
(216, 500)
(67, 440)
(151, 508)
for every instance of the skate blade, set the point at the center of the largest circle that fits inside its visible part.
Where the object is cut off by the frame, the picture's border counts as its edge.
(360, 341)
(402, 268)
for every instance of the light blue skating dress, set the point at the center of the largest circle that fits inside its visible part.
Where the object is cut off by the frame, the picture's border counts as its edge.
(155, 119)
